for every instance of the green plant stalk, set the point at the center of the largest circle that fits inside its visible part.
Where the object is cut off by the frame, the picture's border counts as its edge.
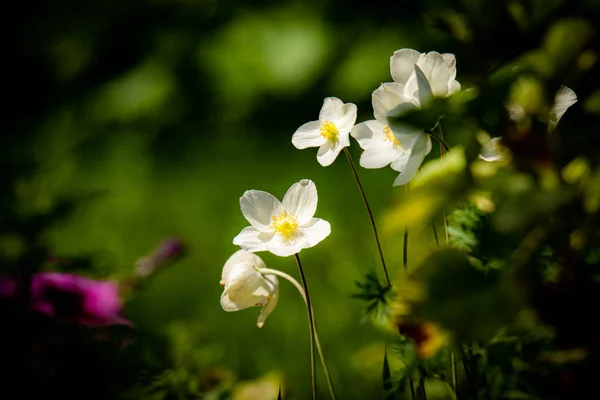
(422, 386)
(405, 247)
(373, 226)
(313, 370)
(405, 261)
(440, 139)
(435, 235)
(413, 394)
(443, 148)
(317, 341)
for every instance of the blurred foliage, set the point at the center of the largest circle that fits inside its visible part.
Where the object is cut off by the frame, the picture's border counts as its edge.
(131, 121)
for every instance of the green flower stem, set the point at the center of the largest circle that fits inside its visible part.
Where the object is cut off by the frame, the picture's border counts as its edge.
(405, 252)
(440, 139)
(413, 395)
(422, 384)
(364, 196)
(311, 323)
(317, 341)
(435, 235)
(443, 148)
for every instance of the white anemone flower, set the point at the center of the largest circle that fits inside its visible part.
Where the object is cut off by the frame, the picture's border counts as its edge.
(439, 70)
(283, 228)
(563, 99)
(246, 287)
(385, 143)
(330, 133)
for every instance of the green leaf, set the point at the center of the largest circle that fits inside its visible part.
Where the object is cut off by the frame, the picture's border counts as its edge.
(387, 379)
(438, 185)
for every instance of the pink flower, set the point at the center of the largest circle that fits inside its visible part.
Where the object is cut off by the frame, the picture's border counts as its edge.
(77, 299)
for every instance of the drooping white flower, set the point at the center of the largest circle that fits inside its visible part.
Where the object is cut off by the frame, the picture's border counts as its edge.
(330, 132)
(564, 98)
(283, 228)
(245, 287)
(439, 71)
(385, 143)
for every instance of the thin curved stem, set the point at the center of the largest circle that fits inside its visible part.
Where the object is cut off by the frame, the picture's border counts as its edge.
(405, 248)
(311, 323)
(440, 138)
(317, 341)
(364, 196)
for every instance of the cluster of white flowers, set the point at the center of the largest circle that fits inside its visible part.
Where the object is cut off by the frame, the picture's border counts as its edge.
(417, 77)
(285, 228)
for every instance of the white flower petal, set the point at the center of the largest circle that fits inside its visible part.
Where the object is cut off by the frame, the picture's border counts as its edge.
(492, 151)
(308, 135)
(258, 207)
(399, 164)
(331, 110)
(414, 162)
(564, 99)
(245, 288)
(270, 306)
(402, 64)
(387, 100)
(301, 199)
(363, 132)
(347, 119)
(328, 153)
(450, 60)
(434, 67)
(425, 90)
(428, 145)
(406, 134)
(315, 231)
(249, 239)
(453, 87)
(240, 256)
(284, 248)
(379, 156)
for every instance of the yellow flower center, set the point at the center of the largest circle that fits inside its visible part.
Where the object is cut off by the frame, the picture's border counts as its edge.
(285, 224)
(389, 136)
(329, 131)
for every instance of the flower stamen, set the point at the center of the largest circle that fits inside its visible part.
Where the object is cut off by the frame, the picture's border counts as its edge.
(329, 131)
(284, 224)
(390, 137)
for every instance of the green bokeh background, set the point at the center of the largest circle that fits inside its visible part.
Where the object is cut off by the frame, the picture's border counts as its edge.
(167, 111)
